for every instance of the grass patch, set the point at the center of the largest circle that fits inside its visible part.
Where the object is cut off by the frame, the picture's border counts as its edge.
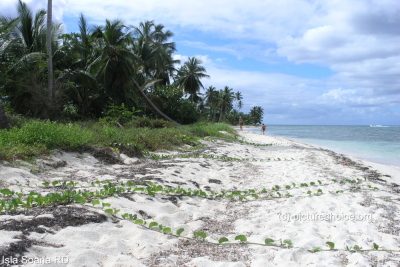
(33, 137)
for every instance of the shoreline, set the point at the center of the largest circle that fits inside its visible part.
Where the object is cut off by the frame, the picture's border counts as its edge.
(339, 204)
(380, 166)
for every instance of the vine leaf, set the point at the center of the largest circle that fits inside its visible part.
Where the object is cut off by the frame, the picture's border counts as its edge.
(167, 230)
(222, 240)
(153, 224)
(288, 242)
(241, 238)
(200, 234)
(79, 199)
(96, 202)
(331, 245)
(139, 221)
(180, 231)
(109, 211)
(268, 241)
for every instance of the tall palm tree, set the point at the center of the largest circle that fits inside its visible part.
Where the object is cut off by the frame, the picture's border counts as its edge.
(117, 60)
(238, 98)
(30, 33)
(225, 101)
(27, 51)
(153, 52)
(189, 76)
(81, 68)
(211, 99)
(48, 46)
(4, 123)
(6, 26)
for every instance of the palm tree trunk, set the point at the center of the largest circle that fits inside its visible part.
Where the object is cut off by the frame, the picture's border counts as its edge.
(214, 115)
(4, 123)
(49, 52)
(152, 104)
(221, 114)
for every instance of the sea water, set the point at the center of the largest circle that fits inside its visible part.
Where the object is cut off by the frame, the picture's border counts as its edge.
(376, 144)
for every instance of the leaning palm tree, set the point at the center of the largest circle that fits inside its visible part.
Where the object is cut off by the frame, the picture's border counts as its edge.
(118, 62)
(143, 94)
(189, 76)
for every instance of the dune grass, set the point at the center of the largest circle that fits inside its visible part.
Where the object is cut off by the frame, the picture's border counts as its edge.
(34, 138)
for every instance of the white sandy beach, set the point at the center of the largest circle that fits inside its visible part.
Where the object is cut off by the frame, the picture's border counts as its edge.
(347, 214)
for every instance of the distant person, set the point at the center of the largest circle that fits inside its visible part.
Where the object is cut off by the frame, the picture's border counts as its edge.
(241, 123)
(263, 128)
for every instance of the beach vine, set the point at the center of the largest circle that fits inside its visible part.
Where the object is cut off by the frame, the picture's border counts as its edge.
(85, 197)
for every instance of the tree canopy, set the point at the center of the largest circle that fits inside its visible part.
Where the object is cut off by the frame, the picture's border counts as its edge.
(81, 75)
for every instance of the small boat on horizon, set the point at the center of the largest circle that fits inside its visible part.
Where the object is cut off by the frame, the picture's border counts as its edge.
(378, 126)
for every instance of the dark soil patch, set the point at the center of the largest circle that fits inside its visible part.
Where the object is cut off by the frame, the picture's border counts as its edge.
(131, 151)
(173, 199)
(369, 174)
(214, 181)
(195, 183)
(105, 154)
(62, 218)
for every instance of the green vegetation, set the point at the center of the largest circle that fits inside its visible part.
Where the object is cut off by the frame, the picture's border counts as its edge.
(103, 70)
(11, 201)
(34, 138)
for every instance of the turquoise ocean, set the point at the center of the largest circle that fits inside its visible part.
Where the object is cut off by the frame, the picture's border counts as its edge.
(376, 144)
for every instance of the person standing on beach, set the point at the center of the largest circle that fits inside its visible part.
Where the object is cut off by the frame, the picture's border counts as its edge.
(263, 127)
(241, 123)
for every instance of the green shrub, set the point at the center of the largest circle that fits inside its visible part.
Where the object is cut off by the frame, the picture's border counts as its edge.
(35, 138)
(162, 124)
(50, 134)
(141, 122)
(118, 115)
(203, 129)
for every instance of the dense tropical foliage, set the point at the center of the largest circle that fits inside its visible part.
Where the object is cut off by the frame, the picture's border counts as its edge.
(79, 76)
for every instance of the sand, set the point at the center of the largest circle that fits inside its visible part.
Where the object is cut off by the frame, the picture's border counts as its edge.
(346, 213)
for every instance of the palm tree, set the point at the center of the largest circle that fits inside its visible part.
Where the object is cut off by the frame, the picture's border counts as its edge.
(6, 26)
(189, 76)
(116, 60)
(256, 114)
(81, 68)
(30, 34)
(26, 50)
(153, 52)
(238, 98)
(4, 123)
(141, 91)
(225, 101)
(48, 45)
(211, 99)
